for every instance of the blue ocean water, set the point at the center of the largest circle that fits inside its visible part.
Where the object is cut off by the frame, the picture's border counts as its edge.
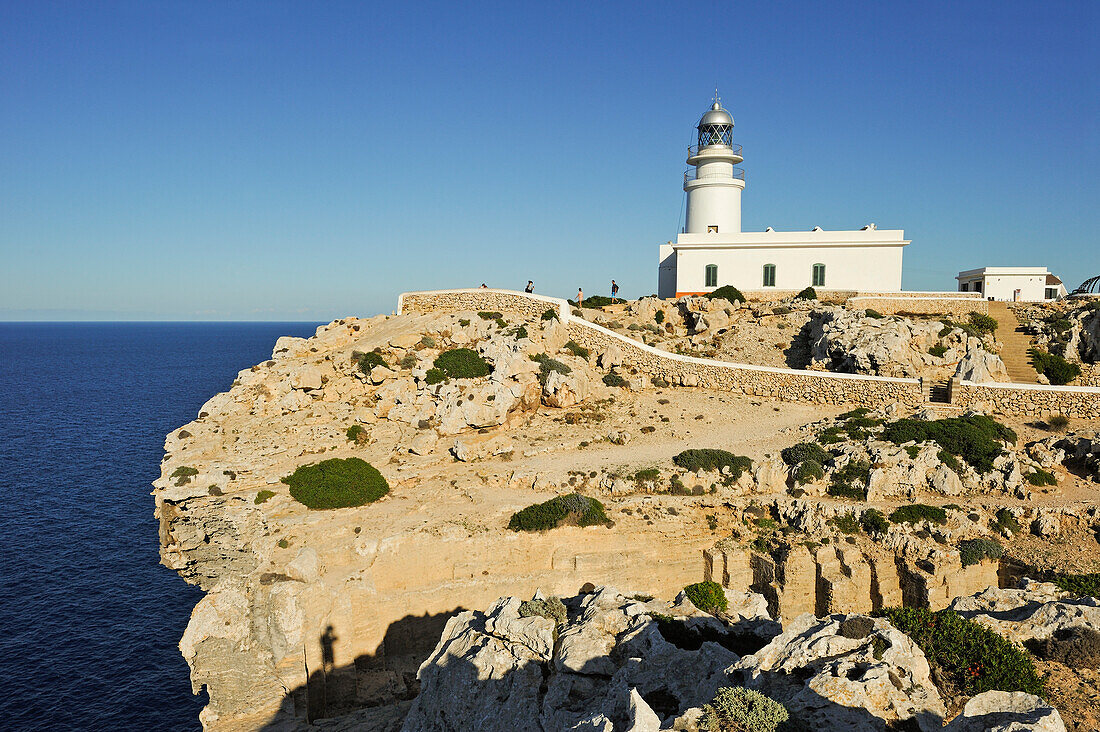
(89, 621)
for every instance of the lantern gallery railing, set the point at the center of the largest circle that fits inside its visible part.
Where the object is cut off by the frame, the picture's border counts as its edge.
(694, 149)
(693, 174)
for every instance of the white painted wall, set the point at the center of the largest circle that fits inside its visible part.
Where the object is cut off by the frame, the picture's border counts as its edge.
(714, 201)
(1001, 283)
(666, 271)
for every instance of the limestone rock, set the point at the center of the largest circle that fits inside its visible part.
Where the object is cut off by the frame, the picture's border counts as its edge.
(1035, 611)
(979, 365)
(474, 447)
(306, 378)
(1004, 711)
(1046, 525)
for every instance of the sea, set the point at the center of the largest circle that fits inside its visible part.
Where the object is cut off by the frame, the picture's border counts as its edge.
(89, 619)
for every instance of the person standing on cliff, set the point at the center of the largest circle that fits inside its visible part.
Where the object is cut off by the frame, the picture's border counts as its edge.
(530, 287)
(580, 298)
(614, 291)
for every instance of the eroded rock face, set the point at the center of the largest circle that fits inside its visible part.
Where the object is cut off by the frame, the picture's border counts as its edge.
(837, 674)
(1003, 711)
(1035, 611)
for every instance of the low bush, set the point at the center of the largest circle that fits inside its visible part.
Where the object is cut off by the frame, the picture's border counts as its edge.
(972, 551)
(972, 657)
(803, 451)
(846, 522)
(549, 314)
(614, 379)
(659, 317)
(1058, 422)
(808, 294)
(726, 292)
(874, 314)
(427, 342)
(487, 315)
(572, 509)
(183, 474)
(646, 475)
(596, 301)
(713, 459)
(982, 324)
(975, 438)
(950, 461)
(1054, 367)
(851, 480)
(736, 709)
(1040, 477)
(808, 471)
(551, 608)
(336, 483)
(707, 596)
(938, 350)
(518, 332)
(367, 361)
(547, 364)
(1081, 585)
(461, 363)
(916, 512)
(576, 349)
(263, 496)
(1076, 647)
(1005, 521)
(873, 521)
(408, 361)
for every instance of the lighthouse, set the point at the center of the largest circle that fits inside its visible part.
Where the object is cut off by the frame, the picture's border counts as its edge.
(714, 183)
(712, 251)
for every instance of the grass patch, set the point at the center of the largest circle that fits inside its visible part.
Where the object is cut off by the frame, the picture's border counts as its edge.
(707, 596)
(972, 551)
(576, 349)
(713, 459)
(572, 509)
(461, 363)
(975, 438)
(950, 461)
(1058, 422)
(916, 512)
(1040, 477)
(970, 656)
(336, 483)
(726, 292)
(1054, 367)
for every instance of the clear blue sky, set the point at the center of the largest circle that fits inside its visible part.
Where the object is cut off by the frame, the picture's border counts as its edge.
(272, 160)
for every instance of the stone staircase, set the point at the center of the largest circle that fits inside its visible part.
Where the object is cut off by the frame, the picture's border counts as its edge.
(1014, 343)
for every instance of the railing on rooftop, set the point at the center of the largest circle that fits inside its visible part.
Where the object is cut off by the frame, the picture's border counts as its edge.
(693, 174)
(693, 150)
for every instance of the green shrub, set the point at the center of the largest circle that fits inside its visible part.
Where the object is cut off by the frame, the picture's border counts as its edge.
(463, 322)
(462, 363)
(659, 317)
(975, 438)
(614, 379)
(970, 656)
(547, 364)
(1054, 367)
(1082, 585)
(549, 314)
(846, 522)
(808, 471)
(950, 461)
(408, 361)
(355, 432)
(283, 543)
(736, 709)
(713, 459)
(263, 495)
(368, 361)
(873, 521)
(1058, 422)
(972, 551)
(1005, 521)
(596, 301)
(183, 474)
(803, 451)
(808, 294)
(427, 342)
(874, 314)
(336, 483)
(938, 350)
(570, 509)
(551, 608)
(982, 323)
(576, 349)
(646, 475)
(434, 376)
(915, 512)
(489, 315)
(707, 596)
(1039, 477)
(726, 292)
(1075, 646)
(851, 480)
(520, 331)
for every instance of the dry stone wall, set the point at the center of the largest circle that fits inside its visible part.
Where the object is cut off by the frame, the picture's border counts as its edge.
(1027, 400)
(957, 307)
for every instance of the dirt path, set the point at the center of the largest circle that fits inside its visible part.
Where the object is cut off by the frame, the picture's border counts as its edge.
(1014, 344)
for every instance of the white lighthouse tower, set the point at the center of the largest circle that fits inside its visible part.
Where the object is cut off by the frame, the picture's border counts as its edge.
(714, 186)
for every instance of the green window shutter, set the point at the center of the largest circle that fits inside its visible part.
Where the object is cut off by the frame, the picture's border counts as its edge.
(711, 275)
(769, 275)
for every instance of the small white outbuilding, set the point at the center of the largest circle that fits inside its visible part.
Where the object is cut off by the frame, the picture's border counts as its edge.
(1012, 284)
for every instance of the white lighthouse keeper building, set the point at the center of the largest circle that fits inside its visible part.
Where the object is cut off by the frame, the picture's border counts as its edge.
(712, 251)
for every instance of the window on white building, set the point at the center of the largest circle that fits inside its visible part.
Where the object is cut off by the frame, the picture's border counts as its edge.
(1052, 293)
(962, 287)
(769, 275)
(711, 275)
(819, 275)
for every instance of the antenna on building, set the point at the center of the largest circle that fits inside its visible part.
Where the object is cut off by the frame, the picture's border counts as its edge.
(717, 99)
